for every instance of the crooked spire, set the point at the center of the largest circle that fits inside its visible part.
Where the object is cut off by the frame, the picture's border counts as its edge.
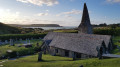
(85, 26)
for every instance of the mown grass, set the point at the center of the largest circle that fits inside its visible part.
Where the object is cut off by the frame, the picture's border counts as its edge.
(56, 61)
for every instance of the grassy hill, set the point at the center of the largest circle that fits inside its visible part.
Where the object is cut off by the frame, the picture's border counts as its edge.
(6, 29)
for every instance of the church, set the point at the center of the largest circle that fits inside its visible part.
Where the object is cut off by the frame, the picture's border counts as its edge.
(83, 44)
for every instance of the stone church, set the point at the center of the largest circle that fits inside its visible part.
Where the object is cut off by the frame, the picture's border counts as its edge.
(83, 44)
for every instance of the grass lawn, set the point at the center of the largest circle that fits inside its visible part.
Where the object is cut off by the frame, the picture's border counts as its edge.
(56, 61)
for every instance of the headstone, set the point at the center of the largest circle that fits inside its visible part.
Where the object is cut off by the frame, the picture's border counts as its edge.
(6, 42)
(26, 41)
(73, 54)
(11, 42)
(37, 44)
(0, 42)
(17, 54)
(29, 41)
(40, 56)
(40, 38)
(21, 40)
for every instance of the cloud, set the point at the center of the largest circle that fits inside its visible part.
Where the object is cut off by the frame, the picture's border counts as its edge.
(113, 1)
(73, 12)
(42, 14)
(40, 2)
(6, 15)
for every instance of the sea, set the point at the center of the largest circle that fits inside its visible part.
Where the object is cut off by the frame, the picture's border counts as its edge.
(54, 28)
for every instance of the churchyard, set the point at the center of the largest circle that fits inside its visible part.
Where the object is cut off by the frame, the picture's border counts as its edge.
(31, 60)
(19, 48)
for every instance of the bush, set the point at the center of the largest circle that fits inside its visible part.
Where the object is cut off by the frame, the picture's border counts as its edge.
(107, 31)
(11, 54)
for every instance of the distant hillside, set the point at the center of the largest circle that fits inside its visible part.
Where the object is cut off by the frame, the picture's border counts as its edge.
(6, 29)
(36, 25)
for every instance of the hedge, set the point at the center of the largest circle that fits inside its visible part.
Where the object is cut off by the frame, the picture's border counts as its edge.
(21, 36)
(107, 31)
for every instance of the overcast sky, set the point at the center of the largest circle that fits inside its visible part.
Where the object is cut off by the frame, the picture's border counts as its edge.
(63, 12)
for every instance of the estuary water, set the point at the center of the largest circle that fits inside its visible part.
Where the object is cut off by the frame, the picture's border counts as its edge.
(54, 28)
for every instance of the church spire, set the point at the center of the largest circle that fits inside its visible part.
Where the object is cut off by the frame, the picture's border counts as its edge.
(85, 26)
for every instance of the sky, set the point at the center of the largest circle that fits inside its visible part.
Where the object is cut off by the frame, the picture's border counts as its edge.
(62, 12)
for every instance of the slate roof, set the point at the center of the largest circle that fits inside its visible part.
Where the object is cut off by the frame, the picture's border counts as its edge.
(79, 45)
(52, 35)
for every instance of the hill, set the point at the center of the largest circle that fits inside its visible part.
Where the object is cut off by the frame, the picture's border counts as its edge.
(35, 25)
(6, 29)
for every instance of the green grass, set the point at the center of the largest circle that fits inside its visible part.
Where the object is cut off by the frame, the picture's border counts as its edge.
(67, 31)
(56, 61)
(22, 50)
(116, 42)
(116, 39)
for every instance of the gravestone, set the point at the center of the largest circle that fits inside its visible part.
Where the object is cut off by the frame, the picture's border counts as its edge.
(37, 44)
(73, 55)
(26, 41)
(21, 40)
(11, 42)
(40, 56)
(6, 42)
(0, 42)
(119, 41)
(29, 41)
(40, 38)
